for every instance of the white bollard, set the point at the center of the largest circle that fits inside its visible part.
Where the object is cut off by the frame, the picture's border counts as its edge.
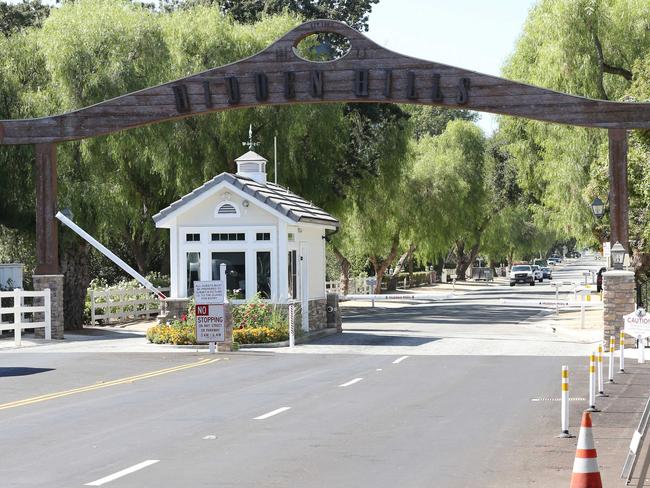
(612, 346)
(641, 350)
(292, 325)
(565, 404)
(592, 384)
(601, 379)
(621, 360)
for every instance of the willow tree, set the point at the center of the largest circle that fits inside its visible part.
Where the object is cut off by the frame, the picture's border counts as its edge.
(592, 48)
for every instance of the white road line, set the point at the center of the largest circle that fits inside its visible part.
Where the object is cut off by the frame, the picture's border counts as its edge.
(271, 414)
(351, 382)
(124, 472)
(379, 369)
(399, 360)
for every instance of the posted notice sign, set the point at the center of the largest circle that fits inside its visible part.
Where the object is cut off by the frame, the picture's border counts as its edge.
(210, 323)
(208, 292)
(637, 325)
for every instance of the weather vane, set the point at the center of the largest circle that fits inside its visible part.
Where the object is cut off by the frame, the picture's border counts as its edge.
(250, 142)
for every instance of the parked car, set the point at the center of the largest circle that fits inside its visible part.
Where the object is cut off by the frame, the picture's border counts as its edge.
(547, 272)
(552, 261)
(522, 273)
(537, 273)
(540, 262)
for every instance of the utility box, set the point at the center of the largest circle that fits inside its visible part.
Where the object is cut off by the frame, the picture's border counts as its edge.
(11, 276)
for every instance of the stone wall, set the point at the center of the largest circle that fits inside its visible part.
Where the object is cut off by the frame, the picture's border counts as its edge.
(55, 284)
(618, 300)
(173, 309)
(317, 314)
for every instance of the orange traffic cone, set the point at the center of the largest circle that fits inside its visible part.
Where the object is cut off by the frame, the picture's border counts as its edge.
(585, 467)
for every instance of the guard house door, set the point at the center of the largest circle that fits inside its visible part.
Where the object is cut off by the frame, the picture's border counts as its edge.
(303, 288)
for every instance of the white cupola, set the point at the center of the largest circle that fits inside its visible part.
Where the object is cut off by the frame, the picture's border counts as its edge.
(253, 166)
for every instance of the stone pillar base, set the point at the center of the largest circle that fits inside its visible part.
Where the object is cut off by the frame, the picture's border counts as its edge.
(55, 284)
(618, 301)
(334, 312)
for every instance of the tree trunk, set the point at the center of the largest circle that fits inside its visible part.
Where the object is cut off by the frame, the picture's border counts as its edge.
(74, 266)
(406, 257)
(464, 260)
(380, 266)
(345, 265)
(138, 251)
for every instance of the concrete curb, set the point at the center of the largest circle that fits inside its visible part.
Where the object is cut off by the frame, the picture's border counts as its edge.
(267, 345)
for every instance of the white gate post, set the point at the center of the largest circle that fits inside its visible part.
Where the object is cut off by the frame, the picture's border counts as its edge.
(47, 302)
(292, 324)
(18, 330)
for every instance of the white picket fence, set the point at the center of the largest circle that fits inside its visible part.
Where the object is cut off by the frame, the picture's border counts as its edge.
(357, 286)
(121, 304)
(23, 314)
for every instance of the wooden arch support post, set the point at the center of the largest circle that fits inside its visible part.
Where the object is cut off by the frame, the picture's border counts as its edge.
(618, 192)
(47, 242)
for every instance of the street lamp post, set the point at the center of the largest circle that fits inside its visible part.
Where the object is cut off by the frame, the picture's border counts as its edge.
(598, 208)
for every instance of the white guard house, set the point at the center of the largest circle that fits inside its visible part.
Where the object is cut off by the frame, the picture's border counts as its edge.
(271, 240)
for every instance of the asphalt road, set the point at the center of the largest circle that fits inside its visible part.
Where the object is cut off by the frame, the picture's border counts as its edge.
(283, 420)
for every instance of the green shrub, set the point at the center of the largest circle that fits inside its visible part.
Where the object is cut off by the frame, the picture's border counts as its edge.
(259, 335)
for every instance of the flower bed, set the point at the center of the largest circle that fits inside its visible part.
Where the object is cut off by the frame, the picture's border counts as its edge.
(255, 322)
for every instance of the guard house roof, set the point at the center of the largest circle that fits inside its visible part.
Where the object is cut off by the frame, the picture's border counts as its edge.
(275, 196)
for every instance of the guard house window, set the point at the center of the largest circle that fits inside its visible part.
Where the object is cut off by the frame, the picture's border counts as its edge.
(193, 267)
(235, 272)
(291, 237)
(263, 236)
(192, 237)
(292, 275)
(264, 274)
(229, 237)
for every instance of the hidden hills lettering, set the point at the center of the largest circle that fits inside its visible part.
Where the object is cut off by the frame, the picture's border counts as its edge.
(390, 84)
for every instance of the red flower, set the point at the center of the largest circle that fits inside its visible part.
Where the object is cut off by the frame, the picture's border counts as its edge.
(183, 318)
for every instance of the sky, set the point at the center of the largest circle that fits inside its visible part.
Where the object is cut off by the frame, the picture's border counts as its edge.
(478, 35)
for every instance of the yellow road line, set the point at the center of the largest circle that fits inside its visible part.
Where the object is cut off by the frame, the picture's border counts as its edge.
(121, 381)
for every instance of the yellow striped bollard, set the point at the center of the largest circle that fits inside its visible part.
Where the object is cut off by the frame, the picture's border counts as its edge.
(601, 379)
(592, 384)
(565, 404)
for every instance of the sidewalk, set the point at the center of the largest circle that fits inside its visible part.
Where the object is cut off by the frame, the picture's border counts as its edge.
(612, 428)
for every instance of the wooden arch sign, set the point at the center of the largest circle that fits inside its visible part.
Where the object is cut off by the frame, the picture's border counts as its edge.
(278, 76)
(367, 73)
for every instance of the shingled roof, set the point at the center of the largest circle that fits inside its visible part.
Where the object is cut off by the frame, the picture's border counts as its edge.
(275, 196)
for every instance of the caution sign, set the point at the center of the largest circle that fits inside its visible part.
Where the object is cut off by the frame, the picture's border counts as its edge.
(210, 323)
(637, 324)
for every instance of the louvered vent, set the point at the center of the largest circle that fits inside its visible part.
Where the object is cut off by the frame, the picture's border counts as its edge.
(227, 209)
(249, 167)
